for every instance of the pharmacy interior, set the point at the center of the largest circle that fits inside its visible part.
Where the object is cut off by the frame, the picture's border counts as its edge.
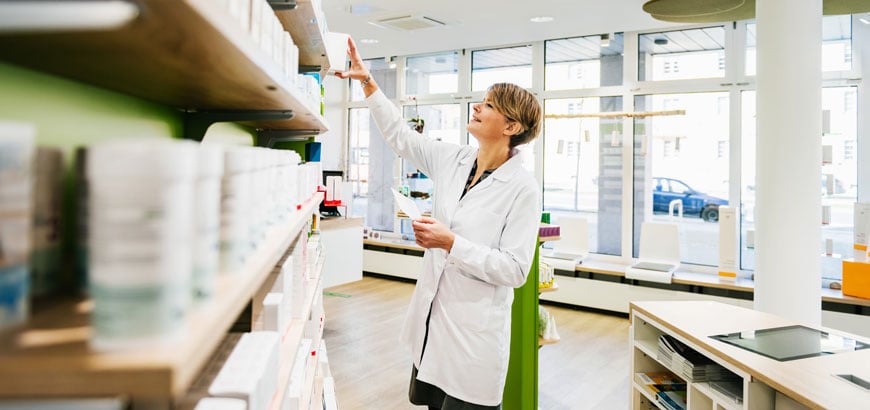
(182, 184)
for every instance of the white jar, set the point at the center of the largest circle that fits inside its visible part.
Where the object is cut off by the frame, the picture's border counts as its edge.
(235, 209)
(140, 240)
(207, 221)
(16, 189)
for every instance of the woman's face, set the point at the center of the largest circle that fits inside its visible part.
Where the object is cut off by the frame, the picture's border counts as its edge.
(487, 124)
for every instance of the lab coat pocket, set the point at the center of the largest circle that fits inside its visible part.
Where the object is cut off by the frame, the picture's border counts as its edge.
(474, 302)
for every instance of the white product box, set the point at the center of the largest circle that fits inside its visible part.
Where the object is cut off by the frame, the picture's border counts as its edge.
(329, 401)
(256, 24)
(298, 377)
(827, 154)
(274, 315)
(861, 231)
(728, 243)
(336, 51)
(251, 371)
(220, 403)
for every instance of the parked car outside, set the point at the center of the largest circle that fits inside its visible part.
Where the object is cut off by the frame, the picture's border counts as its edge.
(695, 203)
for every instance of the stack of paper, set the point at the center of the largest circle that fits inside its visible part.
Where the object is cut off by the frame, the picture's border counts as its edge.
(689, 364)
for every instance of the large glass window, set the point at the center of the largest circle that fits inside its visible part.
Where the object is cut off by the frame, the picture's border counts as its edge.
(679, 159)
(838, 186)
(358, 158)
(432, 74)
(383, 72)
(583, 62)
(441, 121)
(501, 65)
(583, 166)
(836, 44)
(682, 54)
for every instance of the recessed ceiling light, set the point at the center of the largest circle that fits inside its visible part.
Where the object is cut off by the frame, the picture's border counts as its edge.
(541, 19)
(369, 41)
(864, 20)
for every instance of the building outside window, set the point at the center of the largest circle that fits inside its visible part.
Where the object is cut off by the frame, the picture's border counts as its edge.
(583, 166)
(679, 159)
(583, 62)
(836, 44)
(682, 54)
(838, 186)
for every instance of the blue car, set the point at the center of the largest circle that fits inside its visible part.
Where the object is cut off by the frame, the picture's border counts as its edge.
(695, 203)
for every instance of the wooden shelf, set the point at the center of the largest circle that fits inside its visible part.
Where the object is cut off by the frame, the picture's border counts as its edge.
(188, 54)
(291, 339)
(552, 288)
(50, 357)
(305, 28)
(543, 342)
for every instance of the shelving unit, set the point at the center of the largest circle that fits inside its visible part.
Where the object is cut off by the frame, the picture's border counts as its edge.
(188, 54)
(291, 339)
(50, 357)
(303, 23)
(804, 383)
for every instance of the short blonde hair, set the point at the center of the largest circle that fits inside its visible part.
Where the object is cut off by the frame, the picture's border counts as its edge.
(520, 105)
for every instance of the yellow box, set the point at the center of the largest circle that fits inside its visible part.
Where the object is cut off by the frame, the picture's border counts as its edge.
(856, 278)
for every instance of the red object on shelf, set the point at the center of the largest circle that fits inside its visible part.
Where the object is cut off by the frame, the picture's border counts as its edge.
(333, 203)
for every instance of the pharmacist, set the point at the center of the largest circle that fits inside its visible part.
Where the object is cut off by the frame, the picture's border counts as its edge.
(479, 245)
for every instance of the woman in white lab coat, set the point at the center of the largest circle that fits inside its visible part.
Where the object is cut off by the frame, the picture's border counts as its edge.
(479, 243)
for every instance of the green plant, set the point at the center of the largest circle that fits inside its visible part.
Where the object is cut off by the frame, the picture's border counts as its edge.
(418, 121)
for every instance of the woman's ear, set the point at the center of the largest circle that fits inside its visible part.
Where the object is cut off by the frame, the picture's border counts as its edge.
(513, 128)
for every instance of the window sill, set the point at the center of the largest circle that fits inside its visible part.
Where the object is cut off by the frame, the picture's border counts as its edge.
(616, 271)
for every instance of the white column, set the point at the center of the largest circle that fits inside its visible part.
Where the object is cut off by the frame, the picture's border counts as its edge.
(789, 127)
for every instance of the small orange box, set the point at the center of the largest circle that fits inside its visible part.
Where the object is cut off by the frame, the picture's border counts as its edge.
(856, 278)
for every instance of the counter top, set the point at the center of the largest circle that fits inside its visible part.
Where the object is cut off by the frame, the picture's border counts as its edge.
(811, 381)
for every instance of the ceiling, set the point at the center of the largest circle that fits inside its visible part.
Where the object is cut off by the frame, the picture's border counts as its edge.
(472, 24)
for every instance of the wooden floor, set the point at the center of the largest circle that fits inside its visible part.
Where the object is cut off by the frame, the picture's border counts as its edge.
(587, 369)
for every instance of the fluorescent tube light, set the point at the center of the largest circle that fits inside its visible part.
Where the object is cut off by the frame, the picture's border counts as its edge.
(22, 16)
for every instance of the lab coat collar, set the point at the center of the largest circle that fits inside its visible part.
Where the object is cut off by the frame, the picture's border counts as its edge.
(507, 170)
(503, 173)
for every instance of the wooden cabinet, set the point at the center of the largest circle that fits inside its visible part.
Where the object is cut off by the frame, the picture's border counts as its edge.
(766, 383)
(50, 357)
(190, 55)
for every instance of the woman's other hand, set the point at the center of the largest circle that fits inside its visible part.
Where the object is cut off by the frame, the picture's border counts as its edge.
(431, 233)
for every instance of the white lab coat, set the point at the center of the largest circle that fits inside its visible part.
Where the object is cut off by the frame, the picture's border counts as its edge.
(469, 289)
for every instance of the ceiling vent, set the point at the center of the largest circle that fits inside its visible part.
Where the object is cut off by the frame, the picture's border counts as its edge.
(408, 23)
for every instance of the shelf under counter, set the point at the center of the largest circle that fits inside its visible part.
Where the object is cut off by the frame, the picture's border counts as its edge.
(188, 54)
(809, 381)
(51, 357)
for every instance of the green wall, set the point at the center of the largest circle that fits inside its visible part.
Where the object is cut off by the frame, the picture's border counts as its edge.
(68, 114)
